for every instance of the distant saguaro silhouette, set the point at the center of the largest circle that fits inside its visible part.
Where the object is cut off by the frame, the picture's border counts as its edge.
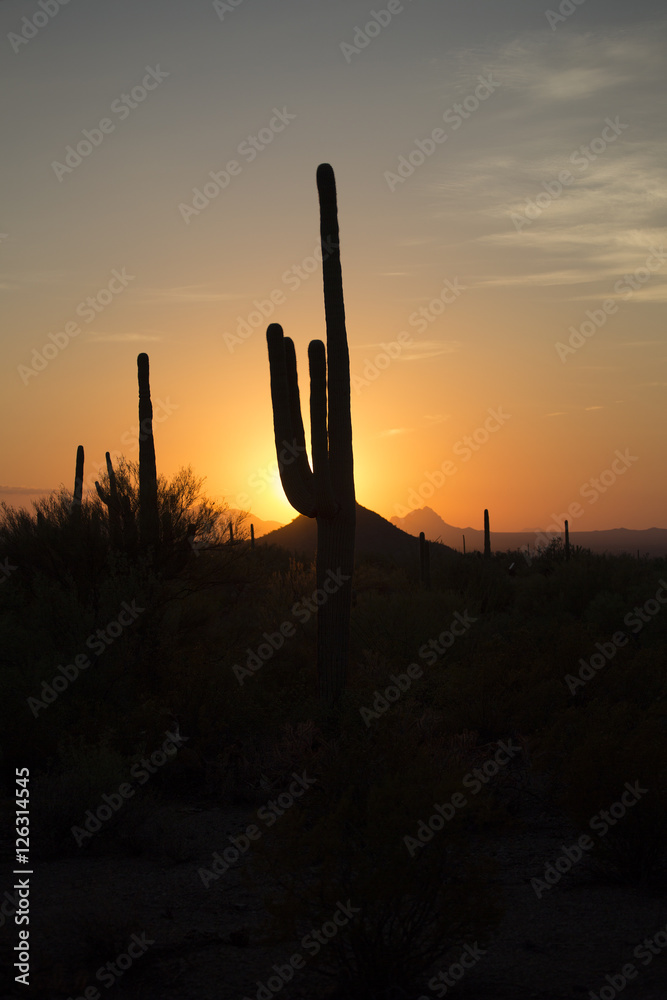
(149, 520)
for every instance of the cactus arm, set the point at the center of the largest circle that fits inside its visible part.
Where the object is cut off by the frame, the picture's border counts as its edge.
(295, 472)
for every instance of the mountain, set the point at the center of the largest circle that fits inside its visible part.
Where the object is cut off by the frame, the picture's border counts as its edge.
(261, 527)
(648, 541)
(374, 536)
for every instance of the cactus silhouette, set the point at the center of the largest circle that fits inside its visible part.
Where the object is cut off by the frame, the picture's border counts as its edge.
(567, 540)
(325, 492)
(487, 536)
(424, 562)
(113, 505)
(78, 484)
(149, 520)
(252, 536)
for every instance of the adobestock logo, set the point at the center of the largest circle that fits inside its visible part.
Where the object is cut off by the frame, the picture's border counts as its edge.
(30, 26)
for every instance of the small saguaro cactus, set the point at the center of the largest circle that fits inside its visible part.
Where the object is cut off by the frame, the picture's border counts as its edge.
(78, 484)
(112, 503)
(567, 540)
(487, 536)
(252, 536)
(149, 520)
(325, 492)
(424, 562)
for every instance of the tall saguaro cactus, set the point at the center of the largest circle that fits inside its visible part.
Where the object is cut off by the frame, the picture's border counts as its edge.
(424, 562)
(149, 520)
(487, 536)
(326, 491)
(78, 484)
(567, 540)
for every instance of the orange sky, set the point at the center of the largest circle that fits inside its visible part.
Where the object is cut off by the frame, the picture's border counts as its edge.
(539, 215)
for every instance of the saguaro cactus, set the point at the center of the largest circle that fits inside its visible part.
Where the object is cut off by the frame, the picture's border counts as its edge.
(567, 540)
(326, 491)
(78, 484)
(487, 536)
(149, 520)
(112, 502)
(424, 562)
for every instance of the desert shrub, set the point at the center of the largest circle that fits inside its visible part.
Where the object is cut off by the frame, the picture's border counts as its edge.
(605, 748)
(346, 841)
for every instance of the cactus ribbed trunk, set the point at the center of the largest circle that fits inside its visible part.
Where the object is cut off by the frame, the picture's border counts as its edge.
(252, 536)
(327, 491)
(567, 540)
(424, 562)
(112, 501)
(78, 484)
(149, 520)
(487, 536)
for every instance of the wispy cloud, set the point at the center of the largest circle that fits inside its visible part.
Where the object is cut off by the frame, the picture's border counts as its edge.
(603, 222)
(395, 431)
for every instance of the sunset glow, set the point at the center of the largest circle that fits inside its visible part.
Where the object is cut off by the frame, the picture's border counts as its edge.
(501, 201)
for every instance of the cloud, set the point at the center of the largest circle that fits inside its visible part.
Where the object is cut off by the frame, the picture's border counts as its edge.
(558, 93)
(394, 431)
(429, 349)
